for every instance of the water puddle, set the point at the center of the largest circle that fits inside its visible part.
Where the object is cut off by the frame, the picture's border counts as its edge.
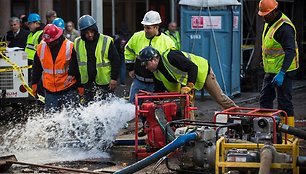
(69, 135)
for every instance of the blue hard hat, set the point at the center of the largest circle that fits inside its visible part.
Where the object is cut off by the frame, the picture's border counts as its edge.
(86, 21)
(59, 22)
(147, 54)
(33, 17)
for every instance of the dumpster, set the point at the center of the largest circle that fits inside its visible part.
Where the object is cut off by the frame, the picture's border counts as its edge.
(212, 29)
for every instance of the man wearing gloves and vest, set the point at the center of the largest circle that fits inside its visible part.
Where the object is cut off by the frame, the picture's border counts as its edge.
(150, 36)
(176, 71)
(280, 58)
(98, 60)
(34, 38)
(52, 64)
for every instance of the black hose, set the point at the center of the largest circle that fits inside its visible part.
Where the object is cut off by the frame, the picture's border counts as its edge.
(162, 122)
(292, 131)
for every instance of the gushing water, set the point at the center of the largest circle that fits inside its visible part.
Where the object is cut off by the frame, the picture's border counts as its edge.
(72, 134)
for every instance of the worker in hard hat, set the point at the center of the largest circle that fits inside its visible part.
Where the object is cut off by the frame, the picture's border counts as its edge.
(52, 64)
(59, 22)
(177, 71)
(98, 61)
(34, 38)
(280, 58)
(150, 36)
(173, 33)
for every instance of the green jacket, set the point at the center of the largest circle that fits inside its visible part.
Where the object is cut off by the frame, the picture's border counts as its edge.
(32, 43)
(138, 41)
(175, 37)
(103, 65)
(272, 52)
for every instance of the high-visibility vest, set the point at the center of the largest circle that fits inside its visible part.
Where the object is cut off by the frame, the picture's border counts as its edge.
(103, 65)
(272, 52)
(55, 74)
(139, 41)
(32, 43)
(181, 76)
(175, 37)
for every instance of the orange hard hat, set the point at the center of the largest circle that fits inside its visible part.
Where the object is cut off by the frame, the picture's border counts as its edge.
(51, 33)
(266, 6)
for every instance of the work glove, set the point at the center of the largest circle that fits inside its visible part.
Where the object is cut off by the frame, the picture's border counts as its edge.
(188, 89)
(81, 91)
(278, 79)
(34, 90)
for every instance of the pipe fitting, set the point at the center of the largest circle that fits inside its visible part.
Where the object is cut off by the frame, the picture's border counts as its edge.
(266, 158)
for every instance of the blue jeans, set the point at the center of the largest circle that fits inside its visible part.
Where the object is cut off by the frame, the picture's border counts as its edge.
(54, 101)
(139, 85)
(283, 93)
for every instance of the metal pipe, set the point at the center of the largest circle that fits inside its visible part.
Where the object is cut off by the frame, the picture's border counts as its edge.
(51, 167)
(113, 18)
(78, 12)
(172, 7)
(178, 142)
(147, 5)
(266, 157)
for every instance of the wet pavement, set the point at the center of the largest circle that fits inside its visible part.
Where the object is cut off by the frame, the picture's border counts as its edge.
(120, 156)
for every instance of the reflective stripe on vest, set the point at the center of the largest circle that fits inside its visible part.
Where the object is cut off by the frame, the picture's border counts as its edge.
(32, 42)
(103, 65)
(139, 41)
(175, 70)
(272, 52)
(55, 74)
(181, 76)
(67, 55)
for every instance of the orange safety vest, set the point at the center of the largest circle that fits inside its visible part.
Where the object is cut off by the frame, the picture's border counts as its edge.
(55, 74)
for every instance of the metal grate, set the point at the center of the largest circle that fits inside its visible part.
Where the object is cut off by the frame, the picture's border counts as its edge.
(6, 79)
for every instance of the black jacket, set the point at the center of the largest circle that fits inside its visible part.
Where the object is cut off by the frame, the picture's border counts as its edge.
(178, 60)
(20, 40)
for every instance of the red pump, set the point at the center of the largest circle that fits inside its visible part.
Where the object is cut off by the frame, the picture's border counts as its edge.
(156, 137)
(163, 108)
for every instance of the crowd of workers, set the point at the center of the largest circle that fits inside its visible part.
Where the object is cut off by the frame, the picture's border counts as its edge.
(79, 66)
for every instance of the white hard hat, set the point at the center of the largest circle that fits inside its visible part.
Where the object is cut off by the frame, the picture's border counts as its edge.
(151, 18)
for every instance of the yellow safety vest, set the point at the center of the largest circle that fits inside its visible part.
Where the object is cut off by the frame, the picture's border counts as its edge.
(181, 76)
(32, 43)
(138, 41)
(176, 38)
(272, 52)
(103, 65)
